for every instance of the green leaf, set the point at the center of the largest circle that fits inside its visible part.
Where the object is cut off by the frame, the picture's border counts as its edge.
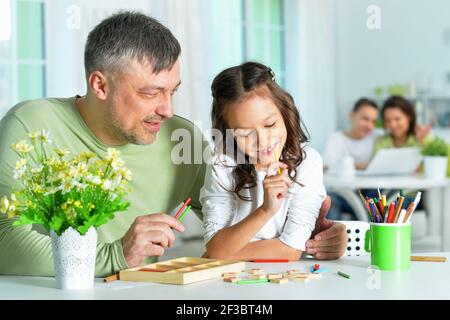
(435, 148)
(56, 223)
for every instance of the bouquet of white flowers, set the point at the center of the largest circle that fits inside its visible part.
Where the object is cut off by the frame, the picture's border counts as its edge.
(60, 193)
(70, 197)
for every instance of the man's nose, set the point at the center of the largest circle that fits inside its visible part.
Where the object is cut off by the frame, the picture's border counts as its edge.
(165, 107)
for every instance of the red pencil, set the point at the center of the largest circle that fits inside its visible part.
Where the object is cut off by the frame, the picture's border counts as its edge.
(391, 215)
(186, 202)
(270, 260)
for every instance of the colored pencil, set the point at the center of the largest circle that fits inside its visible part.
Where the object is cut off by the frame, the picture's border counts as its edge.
(248, 281)
(408, 212)
(383, 200)
(111, 278)
(401, 216)
(270, 260)
(343, 274)
(184, 213)
(181, 210)
(398, 208)
(275, 153)
(428, 259)
(366, 205)
(391, 213)
(416, 203)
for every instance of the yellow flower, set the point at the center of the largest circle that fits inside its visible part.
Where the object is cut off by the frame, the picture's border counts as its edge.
(22, 146)
(61, 152)
(78, 204)
(67, 205)
(113, 154)
(66, 186)
(21, 167)
(22, 162)
(125, 173)
(44, 136)
(34, 135)
(4, 205)
(38, 189)
(86, 155)
(78, 171)
(37, 169)
(11, 212)
(117, 163)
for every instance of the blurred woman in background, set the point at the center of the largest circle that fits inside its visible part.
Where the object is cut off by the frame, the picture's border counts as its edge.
(399, 120)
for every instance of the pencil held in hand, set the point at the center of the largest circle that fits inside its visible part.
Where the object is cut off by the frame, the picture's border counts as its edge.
(275, 153)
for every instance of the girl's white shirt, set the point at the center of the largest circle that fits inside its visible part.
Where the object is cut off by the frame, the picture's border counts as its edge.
(294, 221)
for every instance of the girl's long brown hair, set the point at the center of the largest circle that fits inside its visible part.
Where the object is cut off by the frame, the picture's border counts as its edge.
(235, 84)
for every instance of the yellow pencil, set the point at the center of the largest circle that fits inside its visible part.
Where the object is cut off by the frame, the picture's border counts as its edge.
(276, 159)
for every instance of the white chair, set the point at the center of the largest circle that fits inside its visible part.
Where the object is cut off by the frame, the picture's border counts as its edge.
(356, 231)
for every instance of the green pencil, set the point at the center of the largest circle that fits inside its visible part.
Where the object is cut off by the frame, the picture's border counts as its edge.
(247, 281)
(184, 213)
(343, 274)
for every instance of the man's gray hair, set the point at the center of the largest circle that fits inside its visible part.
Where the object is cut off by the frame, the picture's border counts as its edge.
(130, 35)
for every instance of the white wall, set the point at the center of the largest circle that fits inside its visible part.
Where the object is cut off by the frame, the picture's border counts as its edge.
(412, 44)
(68, 23)
(310, 47)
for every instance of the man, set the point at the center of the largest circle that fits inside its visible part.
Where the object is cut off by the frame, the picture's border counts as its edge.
(132, 71)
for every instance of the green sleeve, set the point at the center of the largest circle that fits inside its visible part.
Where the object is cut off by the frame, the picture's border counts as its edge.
(23, 250)
(199, 180)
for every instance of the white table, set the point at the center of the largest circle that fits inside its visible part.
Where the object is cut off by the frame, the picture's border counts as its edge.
(437, 198)
(425, 280)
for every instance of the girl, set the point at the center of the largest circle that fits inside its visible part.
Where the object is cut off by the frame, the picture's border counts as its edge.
(254, 206)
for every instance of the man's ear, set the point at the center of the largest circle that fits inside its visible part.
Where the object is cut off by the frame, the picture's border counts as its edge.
(351, 114)
(98, 84)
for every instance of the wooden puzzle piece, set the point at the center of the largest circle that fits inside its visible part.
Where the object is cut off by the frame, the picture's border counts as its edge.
(256, 271)
(279, 280)
(231, 280)
(257, 276)
(274, 276)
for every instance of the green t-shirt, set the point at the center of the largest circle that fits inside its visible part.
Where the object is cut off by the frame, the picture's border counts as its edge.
(386, 142)
(158, 184)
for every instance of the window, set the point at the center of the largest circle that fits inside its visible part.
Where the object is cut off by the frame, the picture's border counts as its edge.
(244, 30)
(22, 54)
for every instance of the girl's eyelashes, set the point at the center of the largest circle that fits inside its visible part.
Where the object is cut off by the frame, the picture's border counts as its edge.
(271, 125)
(243, 134)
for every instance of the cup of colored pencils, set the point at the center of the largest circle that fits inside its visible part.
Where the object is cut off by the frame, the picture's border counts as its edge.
(379, 211)
(388, 239)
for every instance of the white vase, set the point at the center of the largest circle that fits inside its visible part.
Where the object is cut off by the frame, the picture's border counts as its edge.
(435, 167)
(74, 258)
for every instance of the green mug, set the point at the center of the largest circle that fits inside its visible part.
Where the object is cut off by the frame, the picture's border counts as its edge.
(389, 245)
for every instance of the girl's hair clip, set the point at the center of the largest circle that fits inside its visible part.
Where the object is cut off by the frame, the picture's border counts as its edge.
(272, 74)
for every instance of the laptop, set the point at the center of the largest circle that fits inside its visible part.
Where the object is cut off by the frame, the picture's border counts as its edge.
(393, 161)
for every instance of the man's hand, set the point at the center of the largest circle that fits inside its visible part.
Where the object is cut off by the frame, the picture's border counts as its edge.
(148, 236)
(329, 238)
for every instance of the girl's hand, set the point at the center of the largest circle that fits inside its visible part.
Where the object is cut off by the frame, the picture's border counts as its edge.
(275, 189)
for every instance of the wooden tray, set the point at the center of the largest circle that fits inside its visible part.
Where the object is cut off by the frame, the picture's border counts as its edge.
(183, 270)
